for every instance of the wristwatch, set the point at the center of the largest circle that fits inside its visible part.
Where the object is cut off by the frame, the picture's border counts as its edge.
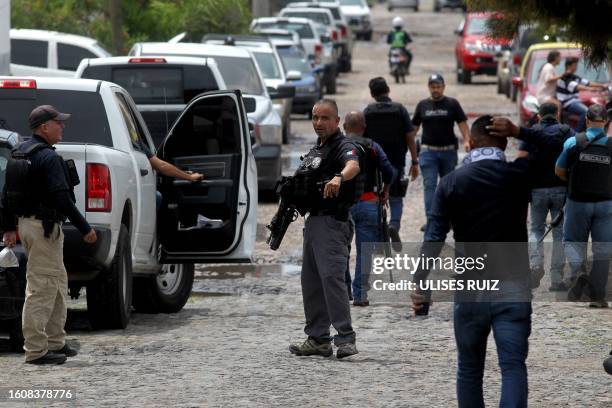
(339, 175)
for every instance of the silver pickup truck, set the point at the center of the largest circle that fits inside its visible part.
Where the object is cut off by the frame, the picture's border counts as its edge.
(146, 246)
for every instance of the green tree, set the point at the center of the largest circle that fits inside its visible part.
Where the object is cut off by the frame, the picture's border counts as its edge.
(585, 21)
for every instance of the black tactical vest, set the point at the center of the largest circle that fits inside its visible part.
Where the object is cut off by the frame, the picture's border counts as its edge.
(385, 125)
(590, 174)
(368, 179)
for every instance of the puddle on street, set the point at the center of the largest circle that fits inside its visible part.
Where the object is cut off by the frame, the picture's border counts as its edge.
(240, 271)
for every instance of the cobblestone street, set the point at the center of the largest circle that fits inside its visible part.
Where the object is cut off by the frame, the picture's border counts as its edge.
(229, 346)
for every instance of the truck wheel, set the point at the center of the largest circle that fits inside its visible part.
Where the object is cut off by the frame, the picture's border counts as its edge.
(165, 293)
(109, 296)
(16, 336)
(466, 77)
(287, 132)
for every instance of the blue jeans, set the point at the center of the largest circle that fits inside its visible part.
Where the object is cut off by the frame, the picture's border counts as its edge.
(396, 203)
(511, 323)
(578, 108)
(367, 231)
(433, 165)
(582, 219)
(543, 201)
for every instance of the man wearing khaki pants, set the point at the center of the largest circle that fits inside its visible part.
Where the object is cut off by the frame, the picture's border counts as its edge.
(50, 201)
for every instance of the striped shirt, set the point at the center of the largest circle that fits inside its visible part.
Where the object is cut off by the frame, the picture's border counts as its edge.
(566, 88)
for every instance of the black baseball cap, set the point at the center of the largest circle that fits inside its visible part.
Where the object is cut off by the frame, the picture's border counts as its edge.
(597, 113)
(435, 79)
(45, 113)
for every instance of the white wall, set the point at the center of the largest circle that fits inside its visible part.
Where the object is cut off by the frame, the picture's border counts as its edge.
(5, 42)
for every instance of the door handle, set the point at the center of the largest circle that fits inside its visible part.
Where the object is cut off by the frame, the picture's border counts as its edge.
(144, 172)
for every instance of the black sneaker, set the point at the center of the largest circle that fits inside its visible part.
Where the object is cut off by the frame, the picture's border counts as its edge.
(361, 303)
(576, 290)
(67, 351)
(598, 304)
(423, 227)
(49, 358)
(396, 242)
(345, 350)
(311, 348)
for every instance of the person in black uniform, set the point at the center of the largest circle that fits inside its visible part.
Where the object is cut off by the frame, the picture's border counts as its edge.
(388, 124)
(332, 164)
(438, 115)
(44, 310)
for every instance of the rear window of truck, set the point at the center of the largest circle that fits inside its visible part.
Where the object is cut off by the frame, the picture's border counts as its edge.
(88, 123)
(157, 85)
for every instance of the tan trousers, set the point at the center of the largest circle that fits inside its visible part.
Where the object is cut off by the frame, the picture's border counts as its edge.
(44, 310)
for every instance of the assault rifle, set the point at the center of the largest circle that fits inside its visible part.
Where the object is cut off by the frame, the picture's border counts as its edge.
(287, 212)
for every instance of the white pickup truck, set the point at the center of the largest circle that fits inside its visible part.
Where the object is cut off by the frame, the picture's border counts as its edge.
(145, 255)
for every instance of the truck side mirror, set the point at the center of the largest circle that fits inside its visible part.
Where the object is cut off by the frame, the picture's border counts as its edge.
(250, 104)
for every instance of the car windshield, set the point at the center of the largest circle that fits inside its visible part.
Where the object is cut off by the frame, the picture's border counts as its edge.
(295, 61)
(303, 30)
(240, 73)
(351, 2)
(268, 65)
(477, 25)
(596, 74)
(86, 109)
(322, 18)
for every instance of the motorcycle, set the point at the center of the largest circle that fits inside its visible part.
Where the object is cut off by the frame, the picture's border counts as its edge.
(398, 64)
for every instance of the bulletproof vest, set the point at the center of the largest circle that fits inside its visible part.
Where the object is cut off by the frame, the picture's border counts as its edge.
(310, 178)
(590, 175)
(368, 179)
(385, 125)
(399, 39)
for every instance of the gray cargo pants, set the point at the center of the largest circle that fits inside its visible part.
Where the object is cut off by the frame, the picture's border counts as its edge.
(325, 256)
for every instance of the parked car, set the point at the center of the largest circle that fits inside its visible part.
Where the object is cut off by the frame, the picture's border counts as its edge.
(239, 70)
(49, 53)
(271, 68)
(535, 58)
(395, 4)
(357, 12)
(474, 50)
(345, 38)
(440, 4)
(160, 86)
(318, 46)
(144, 257)
(308, 87)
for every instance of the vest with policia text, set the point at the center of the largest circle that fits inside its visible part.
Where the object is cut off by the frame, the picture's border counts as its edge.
(385, 125)
(590, 172)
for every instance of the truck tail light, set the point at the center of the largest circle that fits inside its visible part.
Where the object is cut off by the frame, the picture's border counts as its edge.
(99, 197)
(147, 60)
(517, 59)
(335, 35)
(318, 49)
(17, 84)
(343, 31)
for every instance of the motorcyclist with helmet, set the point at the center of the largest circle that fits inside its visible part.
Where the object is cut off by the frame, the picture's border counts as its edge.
(398, 38)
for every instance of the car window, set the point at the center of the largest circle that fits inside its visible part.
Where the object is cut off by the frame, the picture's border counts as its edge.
(322, 18)
(303, 30)
(135, 132)
(351, 2)
(88, 123)
(597, 74)
(29, 52)
(69, 56)
(240, 73)
(294, 61)
(335, 12)
(268, 65)
(477, 25)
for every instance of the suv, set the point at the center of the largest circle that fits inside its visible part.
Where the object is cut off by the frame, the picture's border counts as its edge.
(359, 19)
(144, 256)
(475, 52)
(271, 68)
(49, 53)
(160, 86)
(318, 46)
(239, 71)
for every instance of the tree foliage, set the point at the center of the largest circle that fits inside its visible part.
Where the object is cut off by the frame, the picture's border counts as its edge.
(143, 20)
(586, 22)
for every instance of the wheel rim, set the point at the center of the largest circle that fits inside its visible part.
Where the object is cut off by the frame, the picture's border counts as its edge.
(169, 278)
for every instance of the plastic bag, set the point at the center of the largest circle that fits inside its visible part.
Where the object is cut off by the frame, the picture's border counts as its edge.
(8, 259)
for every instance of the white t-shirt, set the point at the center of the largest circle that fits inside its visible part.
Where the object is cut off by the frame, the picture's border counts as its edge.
(546, 91)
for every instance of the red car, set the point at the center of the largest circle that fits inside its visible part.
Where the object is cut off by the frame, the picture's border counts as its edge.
(534, 59)
(475, 51)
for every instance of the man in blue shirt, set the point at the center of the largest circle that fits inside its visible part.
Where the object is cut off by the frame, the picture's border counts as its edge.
(548, 195)
(586, 163)
(366, 213)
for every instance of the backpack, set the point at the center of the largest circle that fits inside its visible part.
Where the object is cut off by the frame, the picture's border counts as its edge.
(19, 194)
